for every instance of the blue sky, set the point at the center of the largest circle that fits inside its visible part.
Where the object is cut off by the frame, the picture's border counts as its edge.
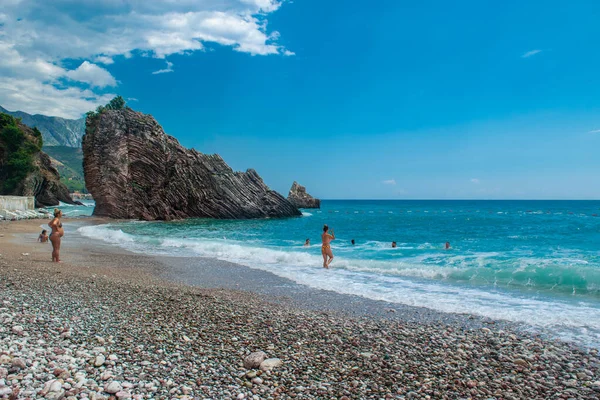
(427, 99)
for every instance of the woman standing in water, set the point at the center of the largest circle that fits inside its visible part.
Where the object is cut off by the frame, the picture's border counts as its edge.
(326, 247)
(56, 235)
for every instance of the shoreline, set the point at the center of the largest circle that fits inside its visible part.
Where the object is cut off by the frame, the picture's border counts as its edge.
(352, 346)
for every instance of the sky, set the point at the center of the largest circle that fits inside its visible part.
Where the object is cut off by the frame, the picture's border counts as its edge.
(355, 100)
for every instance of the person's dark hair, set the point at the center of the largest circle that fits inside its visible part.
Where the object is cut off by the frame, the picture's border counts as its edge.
(44, 231)
(307, 240)
(352, 241)
(325, 228)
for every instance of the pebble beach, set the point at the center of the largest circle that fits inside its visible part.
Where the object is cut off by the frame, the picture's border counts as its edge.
(104, 324)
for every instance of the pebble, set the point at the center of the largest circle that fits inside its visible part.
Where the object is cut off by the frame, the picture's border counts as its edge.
(320, 355)
(270, 364)
(99, 360)
(253, 360)
(113, 387)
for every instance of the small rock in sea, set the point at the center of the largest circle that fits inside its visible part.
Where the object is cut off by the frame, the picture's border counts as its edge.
(270, 363)
(18, 363)
(253, 360)
(99, 361)
(113, 387)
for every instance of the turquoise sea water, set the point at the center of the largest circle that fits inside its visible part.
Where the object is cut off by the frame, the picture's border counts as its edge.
(534, 262)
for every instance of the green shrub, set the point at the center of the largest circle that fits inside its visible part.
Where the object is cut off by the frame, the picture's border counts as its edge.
(18, 153)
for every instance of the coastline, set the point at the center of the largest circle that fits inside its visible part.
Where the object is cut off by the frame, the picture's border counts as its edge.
(332, 345)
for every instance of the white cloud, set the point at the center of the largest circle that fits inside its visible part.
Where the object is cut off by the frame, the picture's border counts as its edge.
(92, 74)
(595, 131)
(475, 181)
(165, 70)
(389, 182)
(37, 97)
(39, 38)
(288, 53)
(104, 60)
(531, 53)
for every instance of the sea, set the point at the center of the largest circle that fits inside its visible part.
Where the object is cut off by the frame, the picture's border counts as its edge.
(534, 263)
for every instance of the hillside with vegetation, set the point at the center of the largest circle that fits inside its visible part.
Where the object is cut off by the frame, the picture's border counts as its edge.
(55, 131)
(69, 163)
(25, 170)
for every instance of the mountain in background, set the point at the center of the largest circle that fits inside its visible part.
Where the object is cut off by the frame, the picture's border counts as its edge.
(69, 163)
(56, 131)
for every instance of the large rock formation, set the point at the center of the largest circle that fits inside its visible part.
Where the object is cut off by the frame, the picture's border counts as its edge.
(134, 170)
(24, 169)
(301, 199)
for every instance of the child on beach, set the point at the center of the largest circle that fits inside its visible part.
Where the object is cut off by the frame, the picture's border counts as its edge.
(43, 238)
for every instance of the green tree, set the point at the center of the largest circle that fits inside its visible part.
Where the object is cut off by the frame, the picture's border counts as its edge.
(118, 103)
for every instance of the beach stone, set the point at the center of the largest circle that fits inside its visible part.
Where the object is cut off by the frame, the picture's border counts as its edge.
(18, 329)
(55, 395)
(3, 372)
(5, 359)
(521, 362)
(5, 391)
(55, 386)
(19, 363)
(99, 360)
(113, 387)
(270, 363)
(257, 381)
(253, 360)
(123, 394)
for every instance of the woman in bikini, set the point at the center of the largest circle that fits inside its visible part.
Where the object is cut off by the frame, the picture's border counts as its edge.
(56, 235)
(326, 247)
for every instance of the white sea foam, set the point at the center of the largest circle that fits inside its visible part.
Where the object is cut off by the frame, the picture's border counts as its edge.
(389, 281)
(306, 214)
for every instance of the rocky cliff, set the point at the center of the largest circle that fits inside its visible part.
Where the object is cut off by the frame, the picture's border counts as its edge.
(301, 199)
(134, 170)
(24, 169)
(56, 131)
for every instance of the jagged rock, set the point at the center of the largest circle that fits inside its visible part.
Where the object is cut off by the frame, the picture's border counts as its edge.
(42, 181)
(134, 170)
(301, 199)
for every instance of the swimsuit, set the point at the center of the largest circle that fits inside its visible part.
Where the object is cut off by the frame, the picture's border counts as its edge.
(324, 247)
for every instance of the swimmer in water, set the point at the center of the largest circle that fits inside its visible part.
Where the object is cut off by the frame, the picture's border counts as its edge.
(447, 245)
(307, 243)
(326, 247)
(353, 242)
(393, 245)
(43, 238)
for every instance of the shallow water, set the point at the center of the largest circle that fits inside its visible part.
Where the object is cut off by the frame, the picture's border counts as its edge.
(535, 262)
